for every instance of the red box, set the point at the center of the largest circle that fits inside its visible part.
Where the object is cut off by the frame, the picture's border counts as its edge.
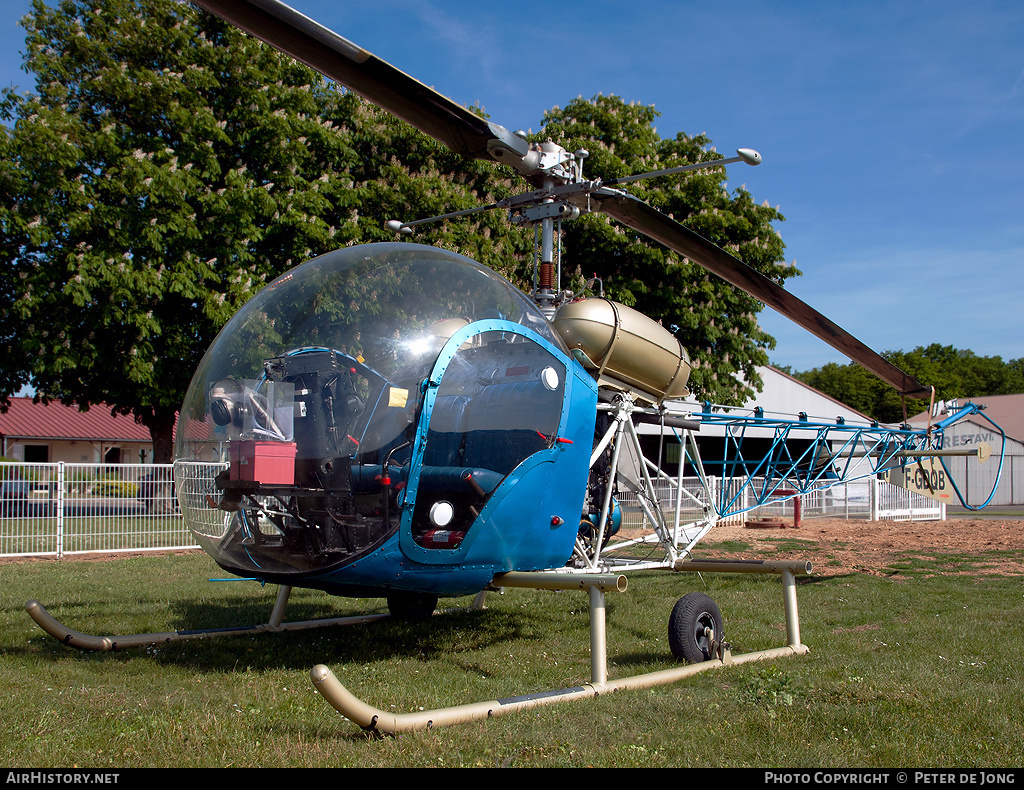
(268, 463)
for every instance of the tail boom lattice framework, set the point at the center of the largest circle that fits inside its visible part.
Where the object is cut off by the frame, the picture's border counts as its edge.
(832, 453)
(768, 459)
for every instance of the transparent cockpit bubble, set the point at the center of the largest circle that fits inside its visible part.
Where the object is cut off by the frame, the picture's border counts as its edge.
(316, 382)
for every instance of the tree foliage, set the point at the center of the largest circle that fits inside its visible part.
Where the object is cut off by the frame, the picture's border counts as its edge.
(716, 322)
(168, 166)
(953, 372)
(166, 169)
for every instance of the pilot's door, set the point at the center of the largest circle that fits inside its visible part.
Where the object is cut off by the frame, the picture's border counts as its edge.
(498, 401)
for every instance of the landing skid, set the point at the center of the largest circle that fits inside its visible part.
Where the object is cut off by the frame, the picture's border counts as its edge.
(596, 585)
(276, 624)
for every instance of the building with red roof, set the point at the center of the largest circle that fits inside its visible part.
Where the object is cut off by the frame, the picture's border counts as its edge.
(50, 432)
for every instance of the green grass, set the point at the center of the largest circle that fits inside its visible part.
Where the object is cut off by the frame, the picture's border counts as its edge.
(918, 668)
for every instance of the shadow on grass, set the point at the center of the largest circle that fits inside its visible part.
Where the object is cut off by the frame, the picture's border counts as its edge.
(455, 629)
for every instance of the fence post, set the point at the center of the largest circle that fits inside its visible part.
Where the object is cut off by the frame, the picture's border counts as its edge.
(60, 509)
(873, 496)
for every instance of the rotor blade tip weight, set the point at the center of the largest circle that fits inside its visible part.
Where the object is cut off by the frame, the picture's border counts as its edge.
(397, 227)
(749, 155)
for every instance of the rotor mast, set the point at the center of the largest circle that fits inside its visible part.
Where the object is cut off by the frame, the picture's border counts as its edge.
(565, 194)
(559, 168)
(555, 173)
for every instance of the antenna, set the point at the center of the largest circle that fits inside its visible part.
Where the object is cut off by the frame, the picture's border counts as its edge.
(748, 155)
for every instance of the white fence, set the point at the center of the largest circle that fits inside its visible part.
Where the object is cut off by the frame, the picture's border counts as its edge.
(870, 499)
(60, 509)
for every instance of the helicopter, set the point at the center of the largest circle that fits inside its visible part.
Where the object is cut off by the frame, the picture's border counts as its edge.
(396, 420)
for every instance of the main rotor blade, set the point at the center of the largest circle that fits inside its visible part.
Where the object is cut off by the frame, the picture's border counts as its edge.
(337, 58)
(471, 136)
(641, 217)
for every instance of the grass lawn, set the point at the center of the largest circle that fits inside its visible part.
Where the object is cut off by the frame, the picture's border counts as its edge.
(915, 669)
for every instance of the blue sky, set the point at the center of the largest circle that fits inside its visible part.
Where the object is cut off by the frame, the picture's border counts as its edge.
(891, 132)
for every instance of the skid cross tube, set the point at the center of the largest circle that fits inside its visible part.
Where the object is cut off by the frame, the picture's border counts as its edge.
(596, 585)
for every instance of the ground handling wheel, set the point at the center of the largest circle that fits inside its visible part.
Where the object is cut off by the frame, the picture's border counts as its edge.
(694, 624)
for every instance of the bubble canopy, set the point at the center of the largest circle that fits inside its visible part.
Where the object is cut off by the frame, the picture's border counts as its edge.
(390, 304)
(318, 381)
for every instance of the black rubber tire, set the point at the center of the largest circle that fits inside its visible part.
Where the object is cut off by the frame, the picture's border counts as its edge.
(411, 606)
(691, 616)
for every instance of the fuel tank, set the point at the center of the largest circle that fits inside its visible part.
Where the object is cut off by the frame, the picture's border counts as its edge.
(624, 347)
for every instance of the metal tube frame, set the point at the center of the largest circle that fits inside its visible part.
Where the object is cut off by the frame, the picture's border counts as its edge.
(597, 585)
(675, 539)
(837, 452)
(275, 624)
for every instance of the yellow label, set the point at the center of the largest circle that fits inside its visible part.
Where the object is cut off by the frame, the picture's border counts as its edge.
(397, 398)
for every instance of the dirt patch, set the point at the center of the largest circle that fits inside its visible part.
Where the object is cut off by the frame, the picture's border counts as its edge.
(836, 546)
(833, 546)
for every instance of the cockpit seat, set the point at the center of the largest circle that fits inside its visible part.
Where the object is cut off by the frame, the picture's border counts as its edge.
(509, 422)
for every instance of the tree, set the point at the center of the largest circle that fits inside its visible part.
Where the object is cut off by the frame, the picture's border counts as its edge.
(13, 236)
(953, 372)
(166, 169)
(168, 166)
(716, 322)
